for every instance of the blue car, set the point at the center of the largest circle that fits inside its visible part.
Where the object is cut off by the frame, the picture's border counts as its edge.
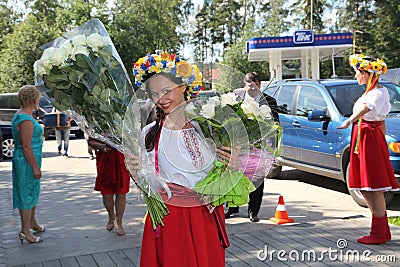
(310, 111)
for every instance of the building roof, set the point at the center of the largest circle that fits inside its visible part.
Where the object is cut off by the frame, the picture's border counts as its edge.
(259, 49)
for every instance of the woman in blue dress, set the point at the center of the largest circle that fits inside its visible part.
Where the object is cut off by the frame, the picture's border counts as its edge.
(27, 160)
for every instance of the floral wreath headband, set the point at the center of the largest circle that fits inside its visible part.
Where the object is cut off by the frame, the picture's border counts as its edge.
(362, 62)
(168, 63)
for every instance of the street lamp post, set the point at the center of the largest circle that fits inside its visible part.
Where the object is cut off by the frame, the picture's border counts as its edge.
(354, 39)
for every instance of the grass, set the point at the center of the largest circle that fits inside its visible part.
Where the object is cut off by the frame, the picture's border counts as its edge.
(394, 220)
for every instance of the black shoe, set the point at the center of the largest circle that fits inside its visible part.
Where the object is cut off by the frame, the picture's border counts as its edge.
(254, 218)
(229, 214)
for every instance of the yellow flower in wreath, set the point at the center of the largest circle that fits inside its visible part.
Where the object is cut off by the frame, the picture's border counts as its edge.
(165, 56)
(183, 69)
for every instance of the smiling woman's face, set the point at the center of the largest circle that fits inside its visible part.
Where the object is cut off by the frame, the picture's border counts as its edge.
(165, 93)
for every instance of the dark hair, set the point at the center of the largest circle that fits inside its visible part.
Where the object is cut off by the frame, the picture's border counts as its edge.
(252, 77)
(151, 136)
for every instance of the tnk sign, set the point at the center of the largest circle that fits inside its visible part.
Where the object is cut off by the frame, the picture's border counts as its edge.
(303, 37)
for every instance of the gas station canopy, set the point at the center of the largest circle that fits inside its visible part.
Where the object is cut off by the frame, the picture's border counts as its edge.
(302, 45)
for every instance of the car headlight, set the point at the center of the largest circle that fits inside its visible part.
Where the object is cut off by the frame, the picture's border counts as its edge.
(394, 146)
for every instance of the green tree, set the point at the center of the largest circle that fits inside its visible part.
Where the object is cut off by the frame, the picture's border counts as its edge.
(19, 54)
(236, 56)
(387, 39)
(200, 38)
(9, 19)
(304, 8)
(358, 17)
(141, 27)
(273, 16)
(73, 13)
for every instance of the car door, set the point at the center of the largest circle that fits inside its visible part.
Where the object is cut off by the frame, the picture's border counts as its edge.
(284, 95)
(317, 140)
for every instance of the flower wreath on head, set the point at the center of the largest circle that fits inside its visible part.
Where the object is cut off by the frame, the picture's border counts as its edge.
(168, 63)
(362, 62)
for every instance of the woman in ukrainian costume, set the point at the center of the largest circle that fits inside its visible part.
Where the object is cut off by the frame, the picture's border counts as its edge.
(113, 181)
(184, 173)
(193, 232)
(370, 169)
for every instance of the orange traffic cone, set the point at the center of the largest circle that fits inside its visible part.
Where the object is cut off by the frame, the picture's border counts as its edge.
(281, 215)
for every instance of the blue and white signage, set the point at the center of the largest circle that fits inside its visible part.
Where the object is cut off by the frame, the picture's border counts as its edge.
(303, 37)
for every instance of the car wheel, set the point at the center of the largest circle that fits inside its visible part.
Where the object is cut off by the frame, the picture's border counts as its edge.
(8, 147)
(358, 196)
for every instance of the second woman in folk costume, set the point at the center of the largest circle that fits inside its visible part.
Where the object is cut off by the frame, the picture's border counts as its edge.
(192, 235)
(370, 169)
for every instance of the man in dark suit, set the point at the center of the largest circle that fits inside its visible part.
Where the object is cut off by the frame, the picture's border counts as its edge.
(252, 86)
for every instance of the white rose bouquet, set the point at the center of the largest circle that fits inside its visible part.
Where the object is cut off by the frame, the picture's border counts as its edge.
(82, 71)
(244, 124)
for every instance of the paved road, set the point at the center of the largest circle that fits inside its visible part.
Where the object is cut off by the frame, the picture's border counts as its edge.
(75, 218)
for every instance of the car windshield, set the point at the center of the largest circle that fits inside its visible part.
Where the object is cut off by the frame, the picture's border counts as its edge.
(346, 95)
(394, 92)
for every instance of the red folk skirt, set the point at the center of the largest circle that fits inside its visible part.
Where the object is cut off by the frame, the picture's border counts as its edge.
(371, 169)
(112, 175)
(190, 238)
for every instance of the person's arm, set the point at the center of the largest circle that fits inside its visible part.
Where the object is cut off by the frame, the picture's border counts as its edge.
(26, 132)
(354, 117)
(68, 123)
(98, 145)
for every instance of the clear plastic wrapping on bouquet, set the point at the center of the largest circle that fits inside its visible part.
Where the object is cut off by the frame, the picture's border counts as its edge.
(82, 71)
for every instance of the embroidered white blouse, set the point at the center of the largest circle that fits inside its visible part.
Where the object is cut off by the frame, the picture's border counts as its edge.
(184, 158)
(378, 101)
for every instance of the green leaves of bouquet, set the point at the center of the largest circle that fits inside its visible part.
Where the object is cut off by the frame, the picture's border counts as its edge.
(83, 73)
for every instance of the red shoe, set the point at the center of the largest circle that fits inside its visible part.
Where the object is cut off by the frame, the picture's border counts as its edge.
(378, 234)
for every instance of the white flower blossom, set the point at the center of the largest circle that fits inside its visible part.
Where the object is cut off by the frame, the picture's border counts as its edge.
(215, 100)
(190, 109)
(96, 41)
(170, 64)
(79, 50)
(228, 99)
(250, 108)
(208, 111)
(79, 40)
(67, 47)
(265, 111)
(42, 66)
(57, 57)
(47, 53)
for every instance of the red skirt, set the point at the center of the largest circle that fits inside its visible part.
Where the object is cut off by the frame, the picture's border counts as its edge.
(371, 169)
(189, 238)
(112, 175)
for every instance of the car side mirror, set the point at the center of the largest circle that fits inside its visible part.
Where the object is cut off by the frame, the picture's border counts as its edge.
(318, 115)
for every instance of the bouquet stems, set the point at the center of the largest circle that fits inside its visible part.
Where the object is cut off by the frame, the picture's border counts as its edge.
(225, 185)
(156, 209)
